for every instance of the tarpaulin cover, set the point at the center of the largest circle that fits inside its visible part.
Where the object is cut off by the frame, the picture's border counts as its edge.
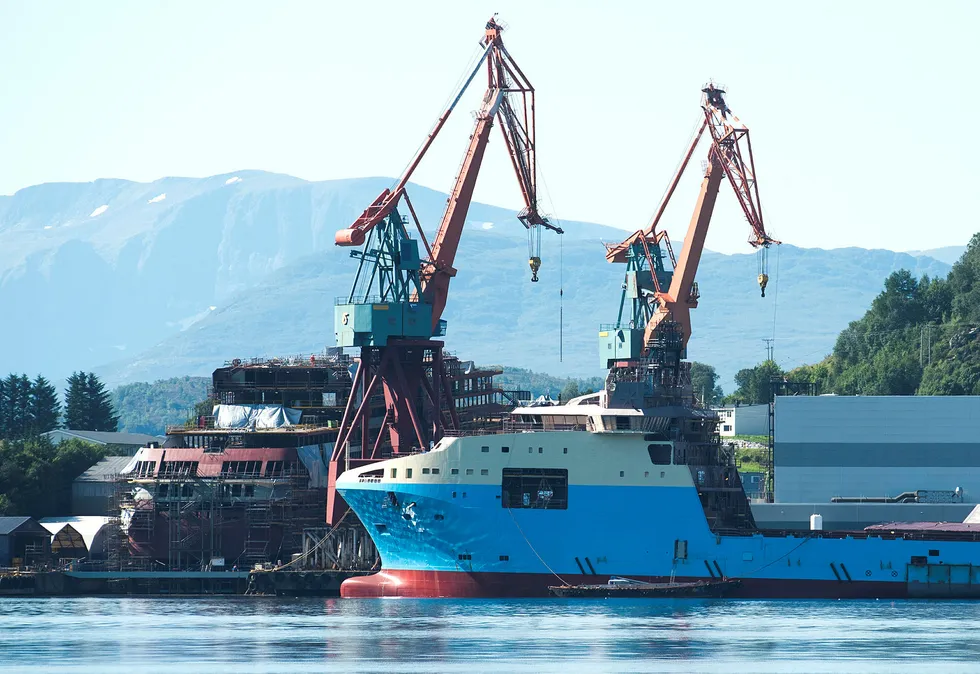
(313, 460)
(88, 527)
(138, 456)
(255, 416)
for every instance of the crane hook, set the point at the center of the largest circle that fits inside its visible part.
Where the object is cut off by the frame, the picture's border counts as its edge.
(763, 282)
(535, 263)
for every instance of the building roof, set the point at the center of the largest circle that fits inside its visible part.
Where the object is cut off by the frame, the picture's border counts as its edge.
(9, 525)
(105, 470)
(106, 437)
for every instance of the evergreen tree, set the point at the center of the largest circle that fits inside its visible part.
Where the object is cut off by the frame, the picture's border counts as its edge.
(3, 409)
(44, 407)
(16, 406)
(76, 406)
(102, 416)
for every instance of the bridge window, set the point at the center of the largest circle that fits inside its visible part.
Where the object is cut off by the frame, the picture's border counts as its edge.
(659, 454)
(539, 488)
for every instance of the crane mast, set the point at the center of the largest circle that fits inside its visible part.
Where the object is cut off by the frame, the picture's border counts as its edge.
(645, 348)
(400, 291)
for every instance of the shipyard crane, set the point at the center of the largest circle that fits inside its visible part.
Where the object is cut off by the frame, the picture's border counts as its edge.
(643, 350)
(395, 305)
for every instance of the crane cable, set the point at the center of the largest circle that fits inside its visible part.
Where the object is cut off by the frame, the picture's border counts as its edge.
(561, 265)
(775, 294)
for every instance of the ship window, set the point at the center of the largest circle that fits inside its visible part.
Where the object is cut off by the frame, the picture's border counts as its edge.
(659, 454)
(504, 558)
(541, 488)
(454, 471)
(934, 553)
(726, 427)
(564, 450)
(622, 473)
(435, 471)
(394, 473)
(380, 528)
(505, 450)
(425, 471)
(274, 468)
(408, 472)
(439, 516)
(241, 468)
(178, 468)
(484, 449)
(540, 450)
(622, 423)
(465, 557)
(484, 471)
(646, 473)
(469, 471)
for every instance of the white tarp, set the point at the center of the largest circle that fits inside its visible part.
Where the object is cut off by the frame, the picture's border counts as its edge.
(88, 527)
(313, 460)
(139, 456)
(255, 416)
(974, 516)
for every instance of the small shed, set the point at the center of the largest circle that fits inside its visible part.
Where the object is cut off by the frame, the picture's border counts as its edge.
(23, 542)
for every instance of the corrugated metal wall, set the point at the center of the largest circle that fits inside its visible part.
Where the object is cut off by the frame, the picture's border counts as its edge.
(828, 446)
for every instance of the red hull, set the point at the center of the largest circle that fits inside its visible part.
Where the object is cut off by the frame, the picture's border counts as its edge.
(398, 583)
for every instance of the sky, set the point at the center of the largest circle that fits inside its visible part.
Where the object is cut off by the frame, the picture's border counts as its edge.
(857, 110)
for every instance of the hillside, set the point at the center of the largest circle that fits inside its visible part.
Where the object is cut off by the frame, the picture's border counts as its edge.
(175, 277)
(919, 336)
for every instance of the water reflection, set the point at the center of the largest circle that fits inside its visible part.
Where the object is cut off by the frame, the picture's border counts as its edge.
(268, 634)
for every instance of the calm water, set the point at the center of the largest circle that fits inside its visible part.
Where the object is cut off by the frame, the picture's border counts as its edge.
(94, 634)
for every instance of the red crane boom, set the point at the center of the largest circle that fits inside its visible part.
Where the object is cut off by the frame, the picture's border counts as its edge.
(509, 96)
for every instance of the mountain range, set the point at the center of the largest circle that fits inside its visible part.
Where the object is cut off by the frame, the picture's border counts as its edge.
(140, 281)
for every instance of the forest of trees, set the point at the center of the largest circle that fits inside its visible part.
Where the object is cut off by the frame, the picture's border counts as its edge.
(149, 408)
(27, 407)
(519, 379)
(920, 337)
(36, 475)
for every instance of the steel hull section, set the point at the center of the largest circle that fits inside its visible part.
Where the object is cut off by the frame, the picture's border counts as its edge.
(432, 584)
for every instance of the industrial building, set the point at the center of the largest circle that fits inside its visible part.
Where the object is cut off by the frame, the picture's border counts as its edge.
(743, 420)
(862, 460)
(92, 491)
(114, 443)
(23, 542)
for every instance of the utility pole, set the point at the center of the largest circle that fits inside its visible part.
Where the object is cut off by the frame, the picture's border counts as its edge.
(925, 345)
(769, 347)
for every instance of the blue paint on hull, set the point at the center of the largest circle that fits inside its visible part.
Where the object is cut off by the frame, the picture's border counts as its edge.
(628, 531)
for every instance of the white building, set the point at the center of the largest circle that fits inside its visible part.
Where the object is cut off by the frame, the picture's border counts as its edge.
(743, 420)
